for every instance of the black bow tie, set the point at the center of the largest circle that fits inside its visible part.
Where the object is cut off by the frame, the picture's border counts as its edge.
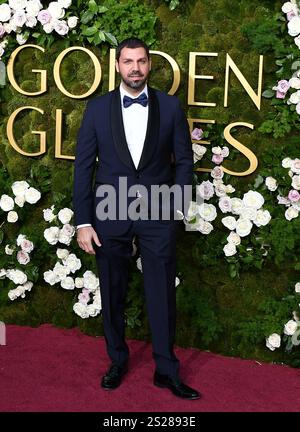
(142, 100)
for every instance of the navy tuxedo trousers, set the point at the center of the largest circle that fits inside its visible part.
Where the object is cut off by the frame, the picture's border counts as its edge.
(157, 242)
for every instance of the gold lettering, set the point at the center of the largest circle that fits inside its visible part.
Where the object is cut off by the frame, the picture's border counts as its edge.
(256, 98)
(10, 133)
(242, 148)
(175, 68)
(58, 137)
(97, 67)
(112, 69)
(193, 77)
(11, 76)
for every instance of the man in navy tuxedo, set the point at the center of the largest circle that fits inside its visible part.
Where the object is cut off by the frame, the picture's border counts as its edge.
(134, 130)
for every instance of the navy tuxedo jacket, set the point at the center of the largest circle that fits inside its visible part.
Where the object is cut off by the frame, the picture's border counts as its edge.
(102, 134)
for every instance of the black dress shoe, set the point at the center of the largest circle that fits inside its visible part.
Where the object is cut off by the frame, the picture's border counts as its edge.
(113, 377)
(176, 386)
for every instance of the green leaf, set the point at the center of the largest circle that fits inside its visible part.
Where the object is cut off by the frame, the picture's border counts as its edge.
(102, 9)
(111, 38)
(93, 7)
(258, 181)
(87, 16)
(296, 65)
(101, 35)
(90, 31)
(268, 93)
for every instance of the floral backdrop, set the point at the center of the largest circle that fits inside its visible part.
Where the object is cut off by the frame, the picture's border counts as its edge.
(238, 279)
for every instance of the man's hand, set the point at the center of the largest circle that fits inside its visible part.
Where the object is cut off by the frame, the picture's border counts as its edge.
(85, 237)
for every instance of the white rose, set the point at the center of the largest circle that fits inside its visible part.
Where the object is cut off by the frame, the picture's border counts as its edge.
(220, 190)
(68, 230)
(19, 18)
(62, 253)
(229, 222)
(31, 21)
(273, 341)
(271, 184)
(2, 273)
(20, 238)
(64, 3)
(229, 189)
(32, 195)
(217, 150)
(198, 151)
(208, 212)
(234, 238)
(203, 226)
(79, 283)
(294, 83)
(61, 271)
(72, 22)
(248, 213)
(263, 217)
(33, 7)
(48, 27)
(61, 27)
(23, 257)
(253, 199)
(19, 187)
(288, 7)
(9, 250)
(64, 239)
(56, 10)
(297, 287)
(236, 205)
(229, 249)
(51, 278)
(192, 210)
(295, 97)
(68, 283)
(72, 263)
(65, 215)
(49, 216)
(225, 152)
(91, 282)
(295, 166)
(51, 235)
(80, 310)
(243, 227)
(291, 213)
(290, 327)
(286, 162)
(225, 204)
(294, 26)
(17, 276)
(21, 38)
(28, 285)
(6, 203)
(5, 12)
(296, 182)
(92, 310)
(17, 4)
(20, 200)
(12, 216)
(284, 201)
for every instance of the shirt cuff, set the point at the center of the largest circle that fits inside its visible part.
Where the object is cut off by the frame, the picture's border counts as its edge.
(83, 225)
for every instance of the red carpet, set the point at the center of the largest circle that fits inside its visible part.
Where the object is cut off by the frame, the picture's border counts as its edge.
(50, 369)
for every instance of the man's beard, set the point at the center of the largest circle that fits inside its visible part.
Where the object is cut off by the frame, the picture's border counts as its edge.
(136, 85)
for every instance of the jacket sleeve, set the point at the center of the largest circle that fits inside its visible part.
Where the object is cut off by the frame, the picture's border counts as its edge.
(84, 166)
(183, 153)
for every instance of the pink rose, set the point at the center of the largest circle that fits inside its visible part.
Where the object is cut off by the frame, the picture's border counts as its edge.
(197, 134)
(44, 16)
(294, 195)
(290, 15)
(280, 95)
(27, 245)
(84, 297)
(283, 86)
(23, 257)
(217, 159)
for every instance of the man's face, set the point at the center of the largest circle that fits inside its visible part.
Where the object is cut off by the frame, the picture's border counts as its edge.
(134, 67)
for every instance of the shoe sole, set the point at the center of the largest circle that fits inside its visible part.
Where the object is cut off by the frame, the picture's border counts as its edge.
(181, 397)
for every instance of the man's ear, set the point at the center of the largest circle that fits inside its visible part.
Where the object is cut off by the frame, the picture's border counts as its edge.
(117, 66)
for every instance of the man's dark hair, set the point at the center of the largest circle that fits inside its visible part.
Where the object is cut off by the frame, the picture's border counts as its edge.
(131, 43)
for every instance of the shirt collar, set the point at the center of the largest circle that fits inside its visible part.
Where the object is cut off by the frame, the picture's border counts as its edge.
(123, 92)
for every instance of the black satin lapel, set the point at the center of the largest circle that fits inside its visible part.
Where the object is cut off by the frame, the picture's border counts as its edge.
(117, 129)
(152, 133)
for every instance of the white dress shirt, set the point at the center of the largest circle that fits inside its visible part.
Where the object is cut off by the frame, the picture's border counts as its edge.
(135, 119)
